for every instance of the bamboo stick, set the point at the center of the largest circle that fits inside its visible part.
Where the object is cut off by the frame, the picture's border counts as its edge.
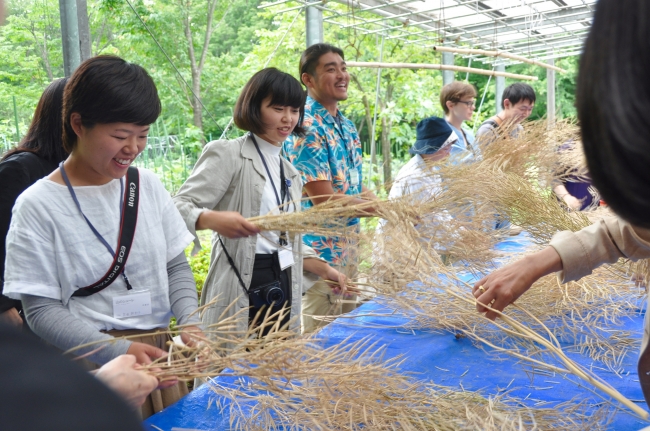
(498, 53)
(374, 64)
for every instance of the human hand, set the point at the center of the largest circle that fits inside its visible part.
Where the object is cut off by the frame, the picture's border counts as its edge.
(124, 376)
(144, 353)
(232, 225)
(572, 202)
(342, 288)
(12, 318)
(505, 285)
(192, 336)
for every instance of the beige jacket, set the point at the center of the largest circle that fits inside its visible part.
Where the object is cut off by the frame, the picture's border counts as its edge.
(230, 176)
(605, 242)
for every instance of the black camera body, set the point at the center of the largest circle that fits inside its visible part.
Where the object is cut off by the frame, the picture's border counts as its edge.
(267, 295)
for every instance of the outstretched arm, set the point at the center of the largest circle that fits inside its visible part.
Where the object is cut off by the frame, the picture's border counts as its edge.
(505, 285)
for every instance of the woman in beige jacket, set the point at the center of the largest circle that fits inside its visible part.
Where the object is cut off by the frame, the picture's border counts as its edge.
(613, 104)
(246, 177)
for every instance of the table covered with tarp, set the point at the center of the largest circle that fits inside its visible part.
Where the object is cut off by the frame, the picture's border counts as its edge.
(448, 360)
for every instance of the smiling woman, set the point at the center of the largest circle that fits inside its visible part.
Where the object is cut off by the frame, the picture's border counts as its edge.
(248, 177)
(61, 246)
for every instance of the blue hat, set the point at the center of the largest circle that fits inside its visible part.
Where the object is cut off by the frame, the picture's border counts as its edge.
(432, 134)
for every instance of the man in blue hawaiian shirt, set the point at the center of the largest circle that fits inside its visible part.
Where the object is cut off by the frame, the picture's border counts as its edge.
(329, 158)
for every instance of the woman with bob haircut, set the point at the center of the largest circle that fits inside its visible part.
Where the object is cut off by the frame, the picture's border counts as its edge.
(36, 156)
(66, 228)
(613, 97)
(246, 177)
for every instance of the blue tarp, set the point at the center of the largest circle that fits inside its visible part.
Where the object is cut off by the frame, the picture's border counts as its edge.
(446, 360)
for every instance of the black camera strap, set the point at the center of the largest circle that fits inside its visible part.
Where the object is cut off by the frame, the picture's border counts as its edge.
(232, 265)
(284, 192)
(128, 222)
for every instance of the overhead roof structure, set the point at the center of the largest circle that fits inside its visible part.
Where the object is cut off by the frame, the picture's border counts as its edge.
(537, 29)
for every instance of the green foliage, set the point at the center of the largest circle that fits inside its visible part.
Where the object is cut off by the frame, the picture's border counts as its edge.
(245, 38)
(200, 263)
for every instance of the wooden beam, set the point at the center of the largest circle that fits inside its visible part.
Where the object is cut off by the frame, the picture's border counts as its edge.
(372, 64)
(498, 54)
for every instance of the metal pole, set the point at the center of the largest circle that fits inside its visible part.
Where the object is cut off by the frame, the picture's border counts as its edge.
(373, 136)
(500, 84)
(314, 24)
(84, 30)
(447, 75)
(550, 93)
(69, 35)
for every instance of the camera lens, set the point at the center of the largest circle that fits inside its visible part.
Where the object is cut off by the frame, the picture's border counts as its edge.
(275, 296)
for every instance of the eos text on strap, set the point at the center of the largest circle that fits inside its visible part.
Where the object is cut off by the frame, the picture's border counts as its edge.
(128, 222)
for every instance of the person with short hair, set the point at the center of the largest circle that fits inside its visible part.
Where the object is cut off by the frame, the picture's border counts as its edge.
(247, 177)
(613, 95)
(458, 101)
(517, 101)
(81, 278)
(329, 158)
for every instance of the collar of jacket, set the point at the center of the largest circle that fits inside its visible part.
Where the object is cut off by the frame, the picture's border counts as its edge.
(248, 151)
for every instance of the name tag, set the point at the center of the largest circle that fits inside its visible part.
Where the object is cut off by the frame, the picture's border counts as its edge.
(285, 256)
(354, 177)
(135, 304)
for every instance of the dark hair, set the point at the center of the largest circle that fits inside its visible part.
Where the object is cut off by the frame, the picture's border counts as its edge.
(517, 92)
(108, 89)
(613, 101)
(455, 91)
(284, 89)
(45, 132)
(310, 57)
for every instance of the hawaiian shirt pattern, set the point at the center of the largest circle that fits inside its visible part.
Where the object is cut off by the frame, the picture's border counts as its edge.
(328, 153)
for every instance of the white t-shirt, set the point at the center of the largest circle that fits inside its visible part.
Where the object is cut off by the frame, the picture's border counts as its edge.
(423, 184)
(269, 202)
(415, 177)
(51, 250)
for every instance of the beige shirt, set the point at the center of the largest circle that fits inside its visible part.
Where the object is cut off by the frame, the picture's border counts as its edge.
(603, 242)
(229, 176)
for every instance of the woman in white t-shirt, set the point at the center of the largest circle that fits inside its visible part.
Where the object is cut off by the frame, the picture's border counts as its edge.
(66, 229)
(246, 177)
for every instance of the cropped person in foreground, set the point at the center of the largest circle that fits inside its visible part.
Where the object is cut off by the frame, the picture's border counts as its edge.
(613, 101)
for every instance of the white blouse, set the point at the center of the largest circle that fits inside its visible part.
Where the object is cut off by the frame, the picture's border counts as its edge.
(51, 250)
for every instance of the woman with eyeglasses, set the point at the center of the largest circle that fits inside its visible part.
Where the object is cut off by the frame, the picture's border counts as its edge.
(458, 102)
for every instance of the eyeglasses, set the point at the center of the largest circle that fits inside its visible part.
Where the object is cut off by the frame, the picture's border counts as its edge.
(470, 103)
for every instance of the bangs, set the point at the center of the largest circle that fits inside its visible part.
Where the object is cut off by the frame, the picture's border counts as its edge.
(287, 91)
(131, 99)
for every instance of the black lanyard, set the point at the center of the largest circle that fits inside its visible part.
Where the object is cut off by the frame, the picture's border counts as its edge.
(284, 186)
(124, 248)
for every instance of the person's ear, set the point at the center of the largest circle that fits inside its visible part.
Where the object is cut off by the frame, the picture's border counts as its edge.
(449, 104)
(307, 79)
(507, 104)
(75, 123)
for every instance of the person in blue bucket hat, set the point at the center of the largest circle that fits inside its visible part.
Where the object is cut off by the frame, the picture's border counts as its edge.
(418, 177)
(434, 139)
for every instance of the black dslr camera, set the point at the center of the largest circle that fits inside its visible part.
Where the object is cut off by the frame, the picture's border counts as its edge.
(267, 295)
